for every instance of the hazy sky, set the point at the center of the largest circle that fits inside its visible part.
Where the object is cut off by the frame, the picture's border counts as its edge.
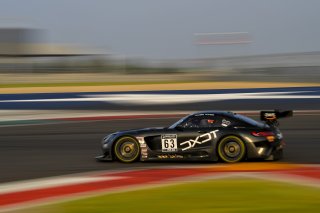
(162, 29)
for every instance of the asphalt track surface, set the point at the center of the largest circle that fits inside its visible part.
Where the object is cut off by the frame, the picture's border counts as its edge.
(37, 151)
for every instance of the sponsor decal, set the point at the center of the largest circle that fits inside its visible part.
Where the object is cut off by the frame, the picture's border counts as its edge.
(270, 116)
(279, 135)
(169, 143)
(143, 146)
(199, 140)
(144, 153)
(141, 142)
(225, 123)
(170, 156)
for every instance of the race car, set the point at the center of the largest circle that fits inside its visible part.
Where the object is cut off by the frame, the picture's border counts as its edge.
(208, 136)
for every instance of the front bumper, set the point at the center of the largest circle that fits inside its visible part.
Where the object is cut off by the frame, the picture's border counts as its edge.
(103, 158)
(106, 148)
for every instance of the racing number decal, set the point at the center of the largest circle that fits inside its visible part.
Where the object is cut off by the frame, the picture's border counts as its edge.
(169, 143)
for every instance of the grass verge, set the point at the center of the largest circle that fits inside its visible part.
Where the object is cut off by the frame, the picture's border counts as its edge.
(228, 195)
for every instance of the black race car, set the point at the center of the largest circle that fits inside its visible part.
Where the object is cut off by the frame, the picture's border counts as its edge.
(206, 136)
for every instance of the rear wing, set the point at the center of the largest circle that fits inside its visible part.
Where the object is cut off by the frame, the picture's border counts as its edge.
(272, 116)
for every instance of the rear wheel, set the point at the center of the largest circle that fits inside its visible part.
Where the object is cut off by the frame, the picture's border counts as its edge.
(231, 149)
(127, 149)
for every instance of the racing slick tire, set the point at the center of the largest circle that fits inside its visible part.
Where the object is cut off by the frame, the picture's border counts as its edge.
(127, 149)
(231, 149)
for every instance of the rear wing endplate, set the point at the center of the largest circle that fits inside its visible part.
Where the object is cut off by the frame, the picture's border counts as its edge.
(273, 115)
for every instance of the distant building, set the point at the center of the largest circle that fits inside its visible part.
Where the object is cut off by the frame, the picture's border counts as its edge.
(23, 42)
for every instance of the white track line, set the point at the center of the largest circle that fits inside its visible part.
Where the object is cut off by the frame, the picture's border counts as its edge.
(50, 182)
(151, 99)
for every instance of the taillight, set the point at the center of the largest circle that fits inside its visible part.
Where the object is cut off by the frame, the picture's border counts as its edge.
(268, 135)
(262, 134)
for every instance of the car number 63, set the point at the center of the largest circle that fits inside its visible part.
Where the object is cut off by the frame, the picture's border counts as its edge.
(169, 143)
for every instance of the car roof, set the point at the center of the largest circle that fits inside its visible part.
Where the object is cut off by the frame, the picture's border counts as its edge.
(226, 113)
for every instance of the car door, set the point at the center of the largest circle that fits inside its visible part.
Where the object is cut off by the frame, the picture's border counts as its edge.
(177, 140)
(192, 134)
(204, 133)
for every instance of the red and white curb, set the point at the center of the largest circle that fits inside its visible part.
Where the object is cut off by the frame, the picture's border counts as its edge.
(25, 194)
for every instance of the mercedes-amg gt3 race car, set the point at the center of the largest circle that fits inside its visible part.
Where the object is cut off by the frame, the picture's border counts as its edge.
(208, 136)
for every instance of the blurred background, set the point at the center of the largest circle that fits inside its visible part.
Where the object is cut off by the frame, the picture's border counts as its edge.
(198, 40)
(74, 71)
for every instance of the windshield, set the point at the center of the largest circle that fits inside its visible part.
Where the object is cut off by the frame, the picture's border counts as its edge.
(248, 120)
(178, 122)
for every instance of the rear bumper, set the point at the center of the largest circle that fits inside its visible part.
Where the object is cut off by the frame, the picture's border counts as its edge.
(276, 155)
(265, 151)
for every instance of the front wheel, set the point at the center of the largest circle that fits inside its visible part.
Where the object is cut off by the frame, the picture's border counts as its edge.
(127, 149)
(231, 149)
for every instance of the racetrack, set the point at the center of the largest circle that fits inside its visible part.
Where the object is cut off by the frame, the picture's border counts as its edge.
(36, 151)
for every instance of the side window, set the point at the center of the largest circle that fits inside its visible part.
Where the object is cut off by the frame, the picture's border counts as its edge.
(208, 121)
(192, 122)
(218, 121)
(212, 121)
(203, 121)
